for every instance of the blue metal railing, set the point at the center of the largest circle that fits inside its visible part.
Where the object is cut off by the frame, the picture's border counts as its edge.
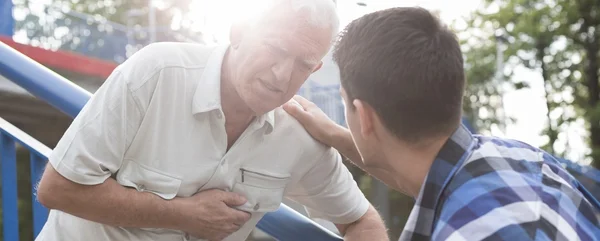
(283, 224)
(9, 137)
(42, 82)
(7, 23)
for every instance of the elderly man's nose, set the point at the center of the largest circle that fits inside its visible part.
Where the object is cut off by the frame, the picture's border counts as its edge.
(283, 69)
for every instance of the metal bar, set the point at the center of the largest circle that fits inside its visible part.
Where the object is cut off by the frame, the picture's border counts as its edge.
(467, 124)
(38, 155)
(8, 166)
(152, 21)
(289, 225)
(40, 213)
(41, 81)
(7, 22)
(24, 139)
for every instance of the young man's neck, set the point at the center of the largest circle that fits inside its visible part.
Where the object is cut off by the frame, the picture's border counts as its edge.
(410, 163)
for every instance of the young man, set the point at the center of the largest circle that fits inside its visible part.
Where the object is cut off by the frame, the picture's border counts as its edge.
(187, 142)
(402, 83)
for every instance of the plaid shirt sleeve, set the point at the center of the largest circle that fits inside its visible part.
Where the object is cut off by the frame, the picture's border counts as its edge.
(503, 199)
(486, 208)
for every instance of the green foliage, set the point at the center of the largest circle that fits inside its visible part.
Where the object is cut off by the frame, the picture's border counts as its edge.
(482, 105)
(558, 39)
(400, 207)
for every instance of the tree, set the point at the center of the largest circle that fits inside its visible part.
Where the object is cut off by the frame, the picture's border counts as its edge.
(559, 40)
(482, 99)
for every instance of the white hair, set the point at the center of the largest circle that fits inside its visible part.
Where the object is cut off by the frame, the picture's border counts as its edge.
(321, 13)
(317, 13)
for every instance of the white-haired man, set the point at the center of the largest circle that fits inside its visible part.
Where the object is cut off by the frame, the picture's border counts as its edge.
(188, 142)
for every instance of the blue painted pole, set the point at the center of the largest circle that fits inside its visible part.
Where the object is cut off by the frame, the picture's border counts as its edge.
(467, 124)
(7, 21)
(40, 213)
(8, 168)
(41, 81)
(289, 225)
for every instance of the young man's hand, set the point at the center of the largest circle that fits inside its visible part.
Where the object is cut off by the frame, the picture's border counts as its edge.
(314, 120)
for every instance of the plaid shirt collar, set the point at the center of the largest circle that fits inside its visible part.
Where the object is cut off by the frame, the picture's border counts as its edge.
(450, 158)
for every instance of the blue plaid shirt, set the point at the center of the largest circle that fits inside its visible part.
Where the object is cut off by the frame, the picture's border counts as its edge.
(485, 188)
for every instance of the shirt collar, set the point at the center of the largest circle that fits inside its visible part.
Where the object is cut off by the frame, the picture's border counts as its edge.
(208, 92)
(269, 118)
(448, 160)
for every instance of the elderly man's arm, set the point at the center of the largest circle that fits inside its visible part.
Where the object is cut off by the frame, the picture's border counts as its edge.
(78, 179)
(112, 204)
(329, 192)
(368, 227)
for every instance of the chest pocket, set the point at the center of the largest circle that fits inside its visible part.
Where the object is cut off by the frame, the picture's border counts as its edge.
(263, 191)
(147, 179)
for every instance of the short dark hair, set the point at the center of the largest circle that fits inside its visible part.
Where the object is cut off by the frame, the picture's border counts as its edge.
(406, 65)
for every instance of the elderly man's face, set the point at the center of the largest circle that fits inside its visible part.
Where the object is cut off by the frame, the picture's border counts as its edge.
(274, 59)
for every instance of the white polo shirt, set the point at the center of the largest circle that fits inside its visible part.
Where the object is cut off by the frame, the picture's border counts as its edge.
(156, 124)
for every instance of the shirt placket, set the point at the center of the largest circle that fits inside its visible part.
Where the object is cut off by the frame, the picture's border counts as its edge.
(228, 158)
(226, 161)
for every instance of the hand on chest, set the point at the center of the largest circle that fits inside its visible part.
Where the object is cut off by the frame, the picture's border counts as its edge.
(241, 160)
(258, 171)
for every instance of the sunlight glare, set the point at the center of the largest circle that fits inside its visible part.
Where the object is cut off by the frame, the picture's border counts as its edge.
(216, 17)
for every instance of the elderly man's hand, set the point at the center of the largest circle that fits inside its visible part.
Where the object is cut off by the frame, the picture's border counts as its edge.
(211, 214)
(314, 120)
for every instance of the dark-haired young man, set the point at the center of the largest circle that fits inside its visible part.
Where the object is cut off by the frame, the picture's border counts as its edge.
(402, 83)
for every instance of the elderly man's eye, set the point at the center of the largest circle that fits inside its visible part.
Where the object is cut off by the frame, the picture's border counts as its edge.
(304, 65)
(275, 49)
(308, 66)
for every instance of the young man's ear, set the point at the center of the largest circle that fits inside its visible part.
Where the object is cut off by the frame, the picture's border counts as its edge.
(366, 118)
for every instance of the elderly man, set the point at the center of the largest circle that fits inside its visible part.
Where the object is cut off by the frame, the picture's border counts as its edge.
(188, 142)
(402, 83)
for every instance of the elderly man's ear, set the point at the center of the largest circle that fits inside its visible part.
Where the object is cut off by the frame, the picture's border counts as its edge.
(236, 33)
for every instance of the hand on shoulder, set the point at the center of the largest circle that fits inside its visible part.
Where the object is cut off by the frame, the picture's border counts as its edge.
(313, 119)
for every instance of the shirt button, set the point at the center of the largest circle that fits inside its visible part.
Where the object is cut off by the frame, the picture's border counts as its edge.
(187, 236)
(257, 206)
(219, 115)
(142, 188)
